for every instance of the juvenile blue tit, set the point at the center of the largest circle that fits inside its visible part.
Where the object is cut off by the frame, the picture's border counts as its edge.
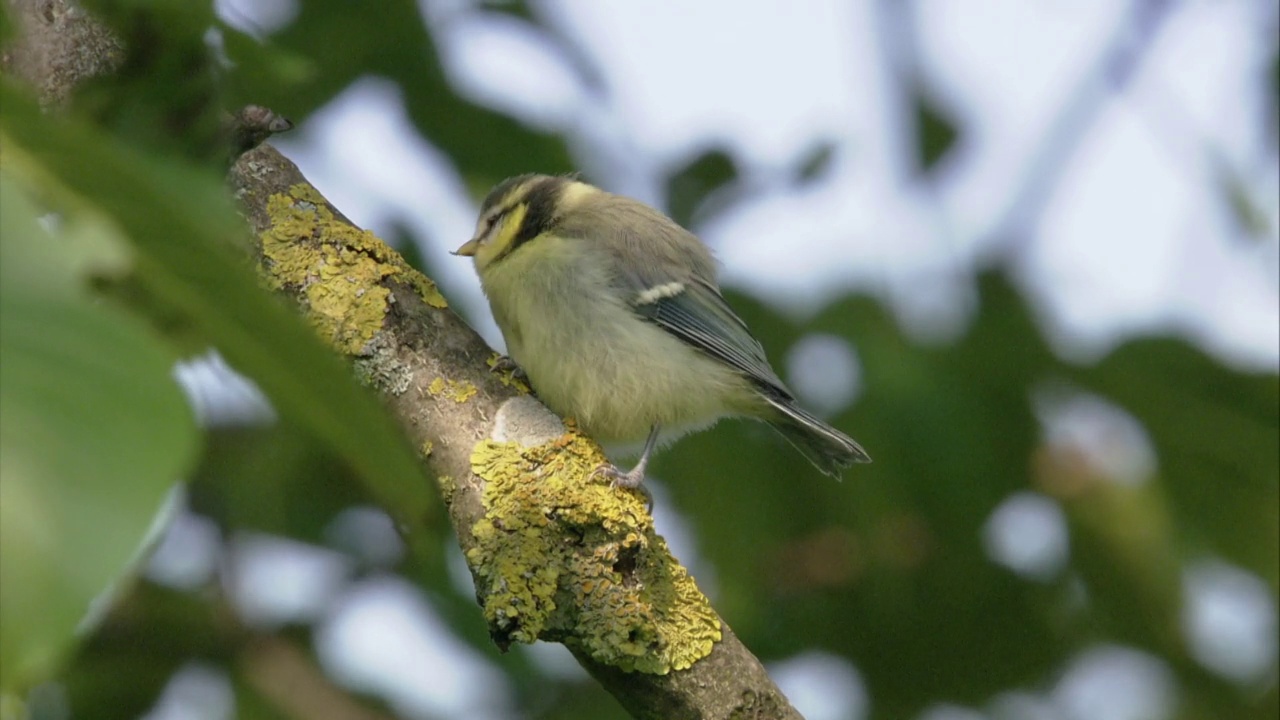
(613, 312)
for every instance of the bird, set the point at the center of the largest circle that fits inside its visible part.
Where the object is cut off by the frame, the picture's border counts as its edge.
(612, 311)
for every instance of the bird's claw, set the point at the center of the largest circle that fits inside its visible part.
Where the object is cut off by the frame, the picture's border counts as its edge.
(503, 364)
(510, 373)
(618, 478)
(629, 480)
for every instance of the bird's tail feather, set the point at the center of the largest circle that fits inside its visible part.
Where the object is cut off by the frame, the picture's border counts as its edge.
(830, 450)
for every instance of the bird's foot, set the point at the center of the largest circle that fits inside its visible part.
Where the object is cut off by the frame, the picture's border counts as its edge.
(510, 373)
(502, 364)
(632, 479)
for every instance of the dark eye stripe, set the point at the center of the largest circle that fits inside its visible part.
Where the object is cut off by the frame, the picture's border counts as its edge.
(540, 217)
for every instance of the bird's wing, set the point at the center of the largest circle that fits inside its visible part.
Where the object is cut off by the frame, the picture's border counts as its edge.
(669, 276)
(695, 312)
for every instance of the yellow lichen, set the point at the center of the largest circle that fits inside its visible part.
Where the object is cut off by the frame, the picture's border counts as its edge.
(455, 390)
(306, 193)
(448, 486)
(426, 289)
(427, 448)
(338, 269)
(551, 535)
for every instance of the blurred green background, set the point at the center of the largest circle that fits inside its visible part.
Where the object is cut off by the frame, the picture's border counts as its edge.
(1074, 509)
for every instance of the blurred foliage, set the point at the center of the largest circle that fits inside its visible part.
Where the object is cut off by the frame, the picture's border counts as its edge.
(691, 186)
(935, 133)
(153, 201)
(1251, 219)
(312, 60)
(815, 163)
(897, 550)
(888, 569)
(6, 24)
(74, 505)
(166, 49)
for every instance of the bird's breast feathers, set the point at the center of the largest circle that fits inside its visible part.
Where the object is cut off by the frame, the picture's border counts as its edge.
(614, 372)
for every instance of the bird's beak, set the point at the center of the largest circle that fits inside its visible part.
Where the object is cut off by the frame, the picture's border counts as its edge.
(469, 249)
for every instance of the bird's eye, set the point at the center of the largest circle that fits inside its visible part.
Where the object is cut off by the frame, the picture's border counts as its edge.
(488, 225)
(484, 226)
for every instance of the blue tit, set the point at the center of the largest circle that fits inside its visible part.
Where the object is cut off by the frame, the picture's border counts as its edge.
(613, 312)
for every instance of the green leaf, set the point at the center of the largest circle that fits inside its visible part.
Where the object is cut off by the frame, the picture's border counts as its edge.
(93, 432)
(181, 225)
(6, 23)
(515, 8)
(152, 634)
(164, 93)
(689, 187)
(306, 488)
(935, 132)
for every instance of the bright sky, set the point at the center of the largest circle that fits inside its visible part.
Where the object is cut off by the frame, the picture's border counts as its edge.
(1133, 237)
